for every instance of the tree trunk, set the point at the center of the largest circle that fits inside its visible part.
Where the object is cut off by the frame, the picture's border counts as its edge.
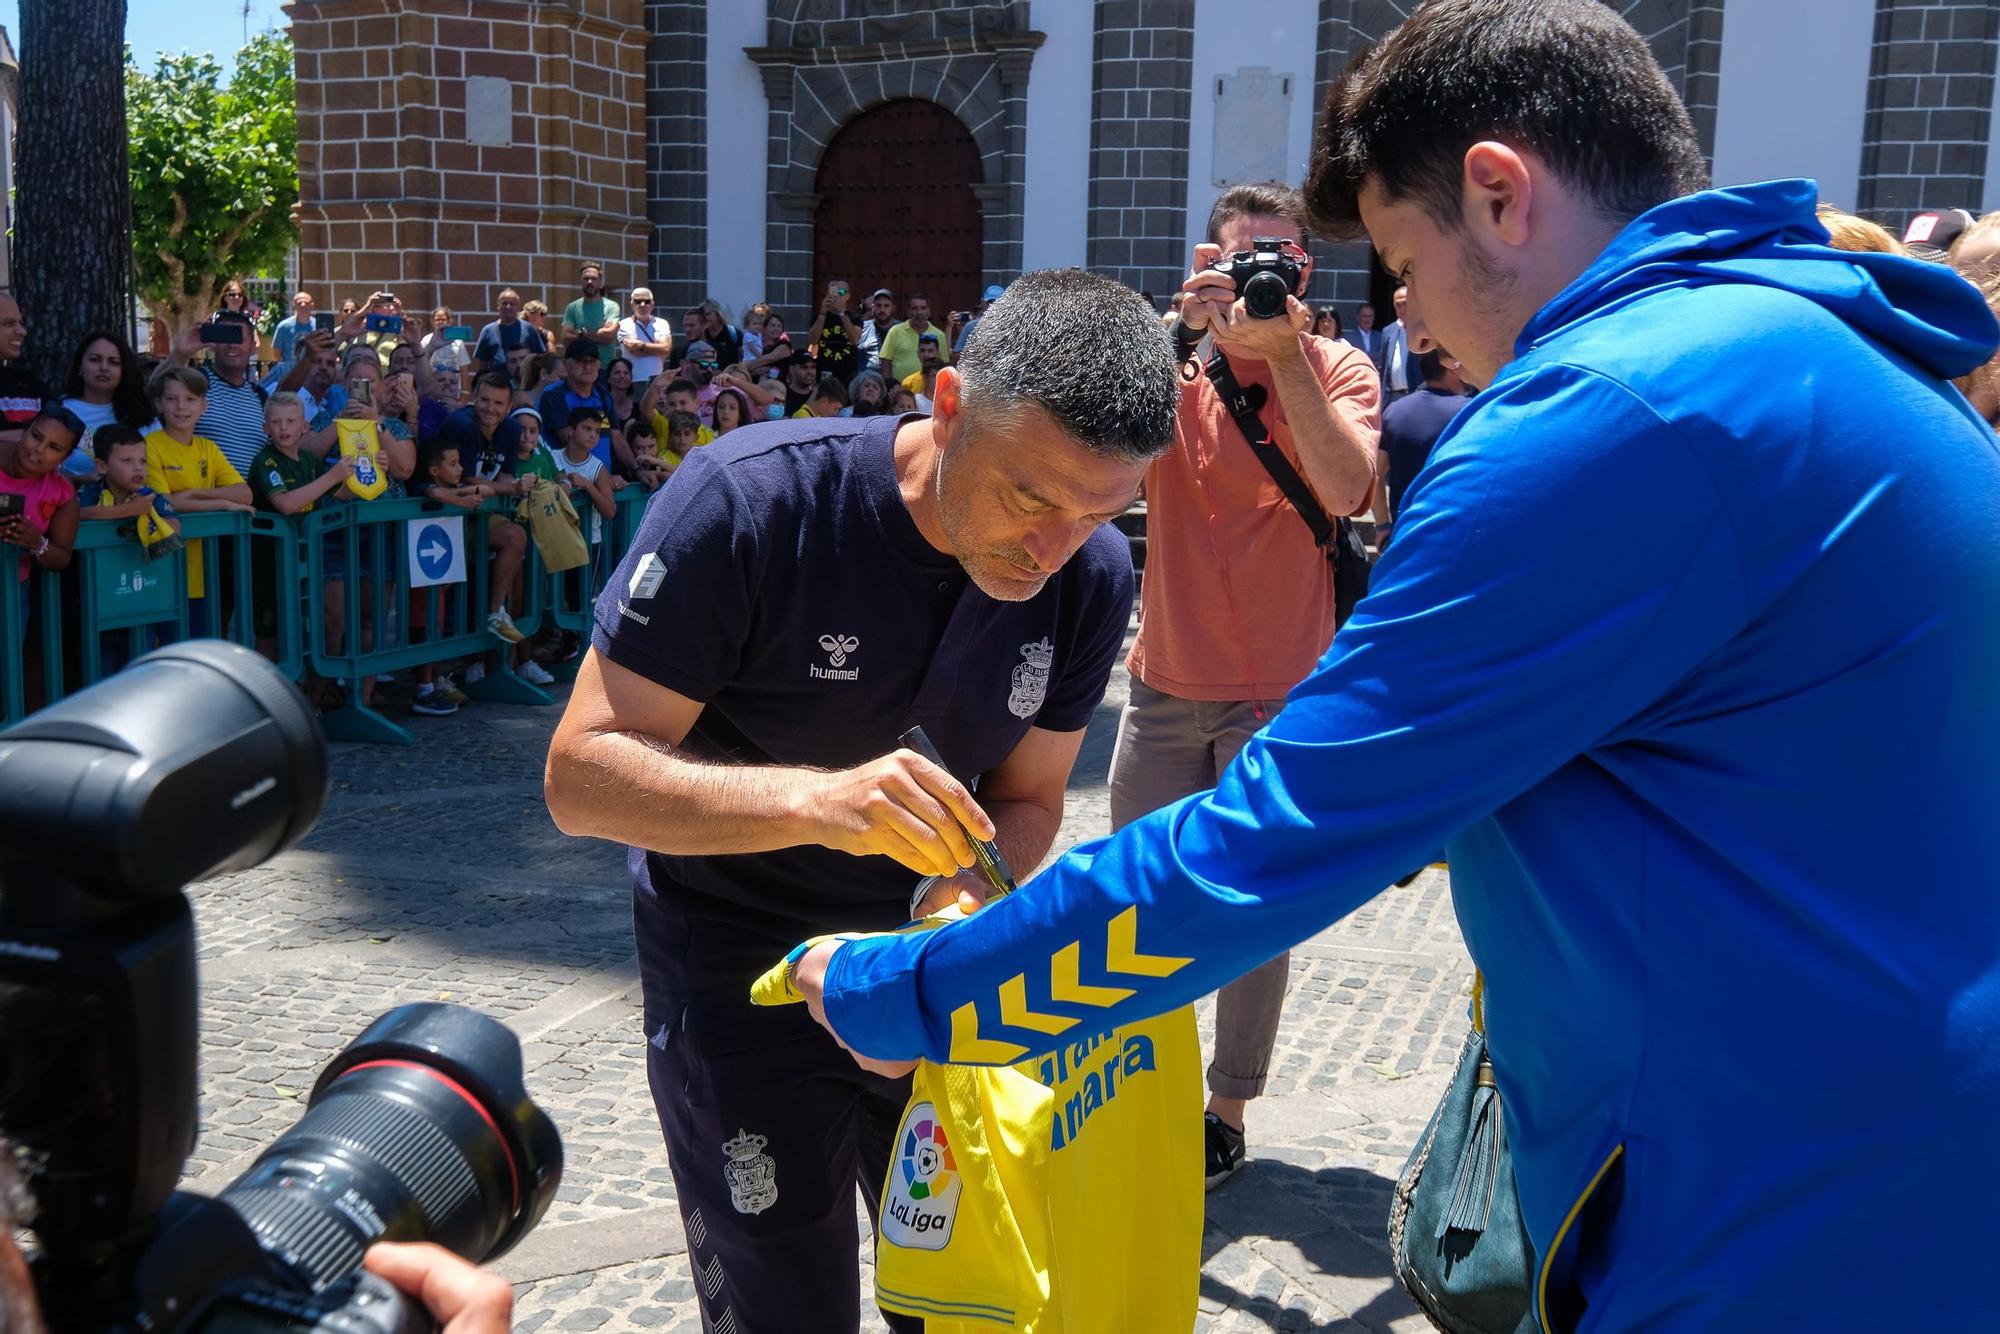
(73, 221)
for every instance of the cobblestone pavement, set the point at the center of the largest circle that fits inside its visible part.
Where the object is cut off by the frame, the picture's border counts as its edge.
(436, 874)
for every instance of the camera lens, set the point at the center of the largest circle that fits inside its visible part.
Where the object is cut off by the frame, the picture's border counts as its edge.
(421, 1130)
(1264, 295)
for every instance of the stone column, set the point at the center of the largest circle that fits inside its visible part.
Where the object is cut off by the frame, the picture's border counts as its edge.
(1930, 99)
(1142, 92)
(1004, 202)
(677, 153)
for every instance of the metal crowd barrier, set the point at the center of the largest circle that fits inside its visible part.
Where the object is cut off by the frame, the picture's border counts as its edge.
(351, 559)
(113, 604)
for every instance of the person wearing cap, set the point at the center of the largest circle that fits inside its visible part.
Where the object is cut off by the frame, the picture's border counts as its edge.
(702, 369)
(799, 595)
(836, 337)
(581, 387)
(899, 346)
(1933, 233)
(593, 316)
(930, 360)
(986, 298)
(881, 319)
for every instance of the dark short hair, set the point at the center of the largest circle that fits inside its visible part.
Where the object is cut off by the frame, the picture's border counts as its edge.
(433, 453)
(579, 415)
(683, 385)
(916, 296)
(1430, 365)
(1259, 197)
(638, 426)
(1568, 80)
(493, 380)
(1119, 401)
(107, 438)
(831, 389)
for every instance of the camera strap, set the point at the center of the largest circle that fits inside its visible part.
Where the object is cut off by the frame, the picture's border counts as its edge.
(1243, 405)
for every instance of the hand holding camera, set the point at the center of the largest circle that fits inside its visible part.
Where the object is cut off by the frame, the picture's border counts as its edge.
(1249, 300)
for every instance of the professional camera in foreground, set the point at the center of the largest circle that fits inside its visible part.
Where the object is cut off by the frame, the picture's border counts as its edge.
(200, 759)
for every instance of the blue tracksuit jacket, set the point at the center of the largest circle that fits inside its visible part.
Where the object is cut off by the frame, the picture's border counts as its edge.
(1689, 647)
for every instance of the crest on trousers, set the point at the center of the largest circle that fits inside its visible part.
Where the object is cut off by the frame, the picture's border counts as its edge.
(751, 1173)
(1031, 679)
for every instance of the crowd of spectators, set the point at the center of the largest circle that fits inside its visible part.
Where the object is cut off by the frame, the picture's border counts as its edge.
(592, 400)
(596, 399)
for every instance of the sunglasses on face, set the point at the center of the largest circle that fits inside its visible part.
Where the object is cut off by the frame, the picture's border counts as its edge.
(708, 365)
(641, 301)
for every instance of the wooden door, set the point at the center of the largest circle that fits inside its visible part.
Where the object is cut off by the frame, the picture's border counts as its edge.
(897, 209)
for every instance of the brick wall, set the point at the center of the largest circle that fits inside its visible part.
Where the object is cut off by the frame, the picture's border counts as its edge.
(399, 188)
(1930, 99)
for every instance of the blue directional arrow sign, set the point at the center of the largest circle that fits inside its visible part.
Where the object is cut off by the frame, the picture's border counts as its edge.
(437, 551)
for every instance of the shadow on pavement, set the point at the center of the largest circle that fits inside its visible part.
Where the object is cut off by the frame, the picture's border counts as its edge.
(1324, 1227)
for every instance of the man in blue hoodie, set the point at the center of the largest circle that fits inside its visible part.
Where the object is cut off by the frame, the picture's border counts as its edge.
(1718, 770)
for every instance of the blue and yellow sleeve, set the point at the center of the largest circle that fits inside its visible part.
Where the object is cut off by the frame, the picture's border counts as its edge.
(1477, 667)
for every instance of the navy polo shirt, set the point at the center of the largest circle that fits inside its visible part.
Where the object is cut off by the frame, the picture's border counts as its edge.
(477, 455)
(779, 580)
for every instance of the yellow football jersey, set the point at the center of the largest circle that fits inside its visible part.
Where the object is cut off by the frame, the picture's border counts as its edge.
(1062, 1195)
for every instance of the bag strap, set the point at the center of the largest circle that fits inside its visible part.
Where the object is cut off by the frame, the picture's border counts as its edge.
(1242, 406)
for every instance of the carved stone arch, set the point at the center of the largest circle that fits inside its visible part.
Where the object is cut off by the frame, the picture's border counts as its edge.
(829, 63)
(827, 98)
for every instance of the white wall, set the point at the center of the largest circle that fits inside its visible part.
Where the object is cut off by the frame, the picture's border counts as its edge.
(1279, 35)
(1794, 93)
(738, 135)
(1058, 153)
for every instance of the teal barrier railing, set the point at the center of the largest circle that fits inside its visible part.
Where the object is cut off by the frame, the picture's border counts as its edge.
(335, 589)
(365, 617)
(113, 604)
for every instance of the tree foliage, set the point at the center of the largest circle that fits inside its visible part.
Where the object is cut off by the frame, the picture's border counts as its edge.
(215, 174)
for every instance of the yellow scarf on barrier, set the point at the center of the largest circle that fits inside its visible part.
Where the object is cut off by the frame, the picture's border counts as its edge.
(360, 441)
(156, 537)
(1062, 1195)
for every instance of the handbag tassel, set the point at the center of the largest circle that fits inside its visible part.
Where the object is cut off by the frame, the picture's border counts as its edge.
(1479, 1166)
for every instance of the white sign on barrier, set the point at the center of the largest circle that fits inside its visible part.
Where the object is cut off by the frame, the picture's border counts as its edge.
(437, 550)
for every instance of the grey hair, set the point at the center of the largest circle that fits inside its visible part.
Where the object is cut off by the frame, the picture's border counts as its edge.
(1119, 400)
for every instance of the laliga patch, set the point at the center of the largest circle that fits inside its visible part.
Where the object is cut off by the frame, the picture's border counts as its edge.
(923, 1184)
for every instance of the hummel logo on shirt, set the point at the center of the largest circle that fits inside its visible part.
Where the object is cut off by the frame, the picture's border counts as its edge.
(837, 648)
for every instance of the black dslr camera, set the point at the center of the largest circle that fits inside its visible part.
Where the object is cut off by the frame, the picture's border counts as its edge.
(1266, 274)
(198, 759)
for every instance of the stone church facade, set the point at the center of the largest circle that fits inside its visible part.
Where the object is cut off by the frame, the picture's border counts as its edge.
(452, 147)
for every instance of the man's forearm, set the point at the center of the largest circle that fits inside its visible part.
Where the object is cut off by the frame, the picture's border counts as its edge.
(638, 789)
(1338, 462)
(1024, 832)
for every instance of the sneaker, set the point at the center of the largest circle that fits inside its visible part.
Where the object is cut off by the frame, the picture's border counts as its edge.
(475, 673)
(501, 624)
(432, 704)
(1224, 1150)
(448, 689)
(534, 673)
